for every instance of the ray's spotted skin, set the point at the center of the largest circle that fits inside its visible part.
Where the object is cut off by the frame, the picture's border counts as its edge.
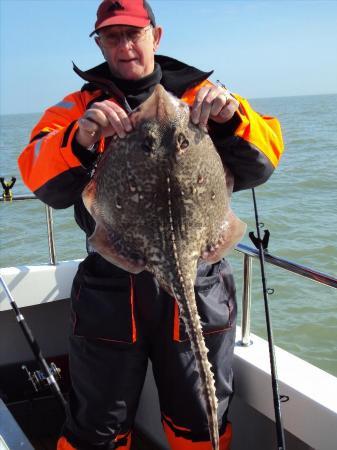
(161, 200)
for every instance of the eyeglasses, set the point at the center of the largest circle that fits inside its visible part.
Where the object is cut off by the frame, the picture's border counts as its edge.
(113, 39)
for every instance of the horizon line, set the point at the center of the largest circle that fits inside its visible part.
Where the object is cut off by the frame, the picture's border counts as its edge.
(249, 98)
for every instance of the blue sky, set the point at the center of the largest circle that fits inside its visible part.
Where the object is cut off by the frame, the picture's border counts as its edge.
(257, 48)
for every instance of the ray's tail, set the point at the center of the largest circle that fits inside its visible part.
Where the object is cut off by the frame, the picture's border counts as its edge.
(184, 293)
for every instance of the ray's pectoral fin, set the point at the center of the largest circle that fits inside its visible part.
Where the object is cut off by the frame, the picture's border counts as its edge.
(88, 196)
(231, 233)
(114, 250)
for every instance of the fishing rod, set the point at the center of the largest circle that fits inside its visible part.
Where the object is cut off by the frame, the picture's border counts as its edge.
(261, 245)
(48, 372)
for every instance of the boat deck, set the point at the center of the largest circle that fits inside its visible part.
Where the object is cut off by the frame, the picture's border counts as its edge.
(36, 424)
(139, 442)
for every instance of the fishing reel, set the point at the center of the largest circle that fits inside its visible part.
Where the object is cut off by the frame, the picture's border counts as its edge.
(39, 380)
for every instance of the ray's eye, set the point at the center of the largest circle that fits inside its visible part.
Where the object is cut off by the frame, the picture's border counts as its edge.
(118, 202)
(148, 146)
(182, 142)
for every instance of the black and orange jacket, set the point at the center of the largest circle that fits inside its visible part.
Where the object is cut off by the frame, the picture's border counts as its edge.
(56, 168)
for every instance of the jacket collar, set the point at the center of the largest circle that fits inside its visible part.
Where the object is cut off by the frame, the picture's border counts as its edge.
(177, 77)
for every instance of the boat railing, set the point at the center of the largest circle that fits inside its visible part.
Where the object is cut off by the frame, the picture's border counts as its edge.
(49, 222)
(249, 253)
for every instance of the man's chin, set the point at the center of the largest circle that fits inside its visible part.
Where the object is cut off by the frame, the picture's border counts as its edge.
(130, 71)
(130, 76)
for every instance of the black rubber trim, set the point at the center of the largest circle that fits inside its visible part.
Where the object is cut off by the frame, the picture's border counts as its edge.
(38, 136)
(67, 134)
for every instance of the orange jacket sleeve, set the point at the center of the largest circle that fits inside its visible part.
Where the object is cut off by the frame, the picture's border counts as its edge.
(250, 144)
(48, 164)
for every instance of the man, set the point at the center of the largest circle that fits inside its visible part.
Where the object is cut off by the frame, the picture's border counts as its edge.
(121, 320)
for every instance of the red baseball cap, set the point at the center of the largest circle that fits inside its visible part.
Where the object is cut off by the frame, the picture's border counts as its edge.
(136, 13)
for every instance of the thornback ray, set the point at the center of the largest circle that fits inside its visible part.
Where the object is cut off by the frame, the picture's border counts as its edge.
(160, 198)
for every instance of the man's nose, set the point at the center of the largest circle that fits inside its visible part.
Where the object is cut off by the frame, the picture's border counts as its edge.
(124, 39)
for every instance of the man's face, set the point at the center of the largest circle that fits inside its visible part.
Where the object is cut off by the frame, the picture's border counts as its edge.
(129, 51)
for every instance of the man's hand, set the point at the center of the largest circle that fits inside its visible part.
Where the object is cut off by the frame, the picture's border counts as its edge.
(213, 102)
(102, 119)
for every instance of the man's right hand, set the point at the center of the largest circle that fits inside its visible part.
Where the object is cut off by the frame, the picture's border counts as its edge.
(102, 119)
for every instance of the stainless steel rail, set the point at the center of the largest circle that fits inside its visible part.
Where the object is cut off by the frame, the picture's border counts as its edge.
(18, 197)
(246, 300)
(49, 221)
(248, 252)
(50, 233)
(304, 271)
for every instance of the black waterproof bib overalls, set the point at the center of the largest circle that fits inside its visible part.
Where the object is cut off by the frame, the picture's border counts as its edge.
(119, 322)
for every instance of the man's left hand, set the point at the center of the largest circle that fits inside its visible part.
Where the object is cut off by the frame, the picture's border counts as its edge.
(213, 102)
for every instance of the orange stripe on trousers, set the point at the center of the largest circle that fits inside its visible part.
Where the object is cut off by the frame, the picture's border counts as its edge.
(180, 443)
(63, 444)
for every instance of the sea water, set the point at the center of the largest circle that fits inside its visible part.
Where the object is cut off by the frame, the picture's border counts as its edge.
(298, 205)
